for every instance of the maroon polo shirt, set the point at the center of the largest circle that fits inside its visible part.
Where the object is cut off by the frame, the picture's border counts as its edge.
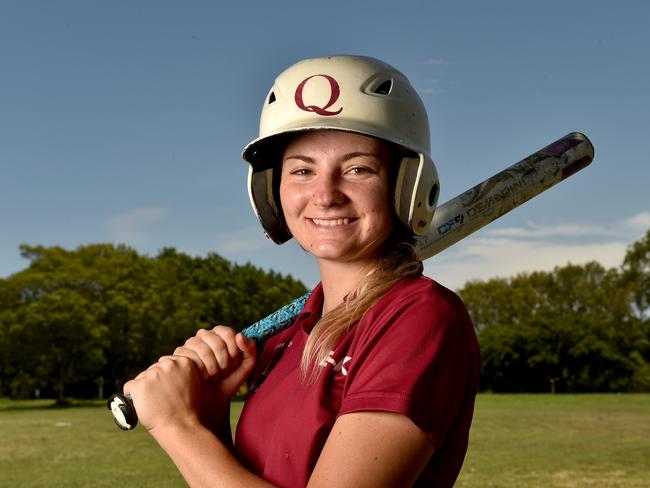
(413, 353)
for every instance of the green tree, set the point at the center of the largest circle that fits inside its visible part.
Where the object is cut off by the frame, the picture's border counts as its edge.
(135, 307)
(636, 279)
(568, 330)
(59, 338)
(636, 269)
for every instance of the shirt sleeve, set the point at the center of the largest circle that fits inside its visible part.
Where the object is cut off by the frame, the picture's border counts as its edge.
(417, 357)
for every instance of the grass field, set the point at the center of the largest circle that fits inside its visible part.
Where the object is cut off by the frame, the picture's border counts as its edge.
(516, 441)
(595, 440)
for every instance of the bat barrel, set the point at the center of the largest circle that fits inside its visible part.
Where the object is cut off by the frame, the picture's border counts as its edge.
(489, 200)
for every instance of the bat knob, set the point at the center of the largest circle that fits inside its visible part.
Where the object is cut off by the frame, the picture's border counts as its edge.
(123, 411)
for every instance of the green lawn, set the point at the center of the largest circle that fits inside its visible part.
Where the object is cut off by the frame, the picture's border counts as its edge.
(516, 441)
(599, 440)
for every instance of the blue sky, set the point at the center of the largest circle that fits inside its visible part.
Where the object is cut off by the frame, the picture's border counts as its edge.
(124, 121)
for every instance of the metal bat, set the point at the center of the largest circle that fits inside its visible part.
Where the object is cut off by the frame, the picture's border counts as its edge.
(489, 200)
(452, 221)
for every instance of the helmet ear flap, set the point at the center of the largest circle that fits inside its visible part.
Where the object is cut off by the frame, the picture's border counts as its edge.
(263, 194)
(416, 193)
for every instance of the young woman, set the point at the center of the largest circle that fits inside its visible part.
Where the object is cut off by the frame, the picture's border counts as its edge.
(374, 383)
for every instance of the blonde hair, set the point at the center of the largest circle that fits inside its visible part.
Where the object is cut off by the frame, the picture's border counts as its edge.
(400, 262)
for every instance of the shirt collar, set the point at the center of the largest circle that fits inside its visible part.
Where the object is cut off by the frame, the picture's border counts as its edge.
(314, 304)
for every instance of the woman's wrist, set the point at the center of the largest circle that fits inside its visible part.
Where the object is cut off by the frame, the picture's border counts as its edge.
(171, 432)
(202, 457)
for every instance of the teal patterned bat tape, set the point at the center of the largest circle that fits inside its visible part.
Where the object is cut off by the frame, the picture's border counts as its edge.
(277, 321)
(121, 405)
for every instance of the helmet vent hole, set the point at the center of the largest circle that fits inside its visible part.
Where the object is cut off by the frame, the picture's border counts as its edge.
(433, 195)
(271, 98)
(384, 88)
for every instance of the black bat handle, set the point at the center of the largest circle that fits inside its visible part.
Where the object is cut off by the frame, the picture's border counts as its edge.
(123, 411)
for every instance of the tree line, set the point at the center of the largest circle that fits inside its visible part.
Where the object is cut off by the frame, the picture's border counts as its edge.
(81, 322)
(575, 329)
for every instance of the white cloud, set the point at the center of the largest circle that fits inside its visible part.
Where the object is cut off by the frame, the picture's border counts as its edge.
(631, 227)
(639, 222)
(560, 230)
(243, 240)
(508, 251)
(487, 257)
(434, 61)
(131, 227)
(431, 90)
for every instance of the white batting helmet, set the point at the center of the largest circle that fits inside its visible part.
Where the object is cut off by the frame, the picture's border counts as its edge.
(348, 93)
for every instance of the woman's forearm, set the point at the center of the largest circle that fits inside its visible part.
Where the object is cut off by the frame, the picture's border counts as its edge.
(203, 459)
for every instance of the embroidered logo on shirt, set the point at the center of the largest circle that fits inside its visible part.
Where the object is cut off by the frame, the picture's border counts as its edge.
(340, 366)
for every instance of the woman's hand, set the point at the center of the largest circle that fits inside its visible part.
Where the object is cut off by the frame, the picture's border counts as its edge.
(194, 384)
(224, 359)
(183, 400)
(220, 354)
(166, 393)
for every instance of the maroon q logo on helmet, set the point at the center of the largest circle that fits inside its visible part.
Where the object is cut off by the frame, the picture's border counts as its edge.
(335, 91)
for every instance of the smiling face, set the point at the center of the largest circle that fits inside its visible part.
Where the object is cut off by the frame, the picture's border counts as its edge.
(336, 194)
